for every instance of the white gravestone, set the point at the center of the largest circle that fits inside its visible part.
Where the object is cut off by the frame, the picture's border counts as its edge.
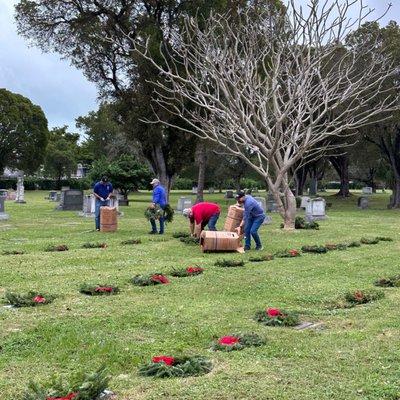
(184, 202)
(211, 190)
(367, 190)
(194, 190)
(315, 209)
(20, 197)
(89, 205)
(304, 201)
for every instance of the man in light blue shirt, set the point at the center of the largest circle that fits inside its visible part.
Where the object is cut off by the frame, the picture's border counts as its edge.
(253, 217)
(160, 200)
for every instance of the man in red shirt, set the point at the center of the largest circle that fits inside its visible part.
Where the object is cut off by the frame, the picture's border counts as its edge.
(202, 214)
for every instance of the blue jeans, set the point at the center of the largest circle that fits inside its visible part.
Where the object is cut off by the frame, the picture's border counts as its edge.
(99, 204)
(154, 226)
(251, 230)
(212, 222)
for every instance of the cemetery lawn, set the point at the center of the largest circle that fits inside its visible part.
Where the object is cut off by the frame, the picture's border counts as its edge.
(356, 356)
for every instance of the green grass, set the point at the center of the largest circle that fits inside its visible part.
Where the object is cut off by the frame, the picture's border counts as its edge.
(356, 357)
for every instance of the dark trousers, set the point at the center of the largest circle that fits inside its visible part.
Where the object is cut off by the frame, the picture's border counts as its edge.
(154, 225)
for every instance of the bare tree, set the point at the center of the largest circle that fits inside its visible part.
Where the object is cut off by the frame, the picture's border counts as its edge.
(274, 88)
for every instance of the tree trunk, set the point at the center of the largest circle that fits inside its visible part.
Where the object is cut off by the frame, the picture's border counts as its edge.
(395, 198)
(201, 163)
(160, 168)
(341, 165)
(286, 205)
(300, 178)
(58, 184)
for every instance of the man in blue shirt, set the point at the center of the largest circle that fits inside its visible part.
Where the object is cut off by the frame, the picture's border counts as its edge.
(160, 200)
(102, 191)
(253, 217)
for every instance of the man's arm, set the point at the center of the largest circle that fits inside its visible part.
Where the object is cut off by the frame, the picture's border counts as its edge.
(156, 195)
(191, 227)
(97, 195)
(110, 190)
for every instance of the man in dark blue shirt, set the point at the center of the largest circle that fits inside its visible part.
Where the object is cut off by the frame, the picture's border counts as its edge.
(159, 200)
(253, 217)
(102, 191)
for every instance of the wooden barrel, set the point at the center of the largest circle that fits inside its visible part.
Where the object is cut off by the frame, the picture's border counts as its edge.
(108, 219)
(220, 241)
(234, 218)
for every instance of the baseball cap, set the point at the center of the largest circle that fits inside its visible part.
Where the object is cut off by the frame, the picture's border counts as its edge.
(240, 194)
(154, 181)
(186, 212)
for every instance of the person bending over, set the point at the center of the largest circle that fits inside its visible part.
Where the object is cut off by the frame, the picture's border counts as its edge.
(253, 217)
(202, 214)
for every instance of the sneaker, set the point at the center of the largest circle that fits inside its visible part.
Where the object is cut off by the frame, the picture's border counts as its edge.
(259, 248)
(97, 229)
(152, 232)
(246, 248)
(161, 233)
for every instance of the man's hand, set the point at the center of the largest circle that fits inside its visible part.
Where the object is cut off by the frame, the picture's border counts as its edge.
(101, 199)
(152, 206)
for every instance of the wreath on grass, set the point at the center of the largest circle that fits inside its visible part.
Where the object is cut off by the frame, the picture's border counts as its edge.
(287, 253)
(301, 223)
(266, 257)
(366, 240)
(30, 299)
(83, 387)
(178, 235)
(190, 240)
(277, 317)
(392, 281)
(314, 249)
(12, 252)
(357, 297)
(338, 246)
(149, 280)
(98, 290)
(229, 263)
(155, 213)
(384, 239)
(60, 247)
(168, 367)
(94, 246)
(354, 244)
(237, 342)
(131, 241)
(189, 271)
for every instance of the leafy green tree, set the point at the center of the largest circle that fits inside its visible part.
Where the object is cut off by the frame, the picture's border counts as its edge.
(23, 133)
(61, 154)
(126, 173)
(103, 135)
(384, 134)
(93, 36)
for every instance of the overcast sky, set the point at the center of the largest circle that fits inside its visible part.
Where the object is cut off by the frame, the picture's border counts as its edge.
(61, 90)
